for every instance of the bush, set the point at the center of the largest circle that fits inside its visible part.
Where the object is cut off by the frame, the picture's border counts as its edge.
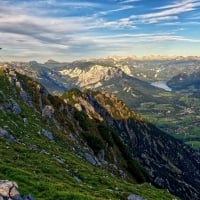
(106, 134)
(82, 118)
(94, 141)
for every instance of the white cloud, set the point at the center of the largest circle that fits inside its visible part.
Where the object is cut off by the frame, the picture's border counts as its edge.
(129, 1)
(123, 23)
(168, 12)
(154, 20)
(179, 3)
(27, 31)
(127, 7)
(77, 4)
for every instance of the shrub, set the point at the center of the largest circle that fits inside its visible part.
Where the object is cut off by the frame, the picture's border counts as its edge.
(106, 134)
(94, 141)
(82, 118)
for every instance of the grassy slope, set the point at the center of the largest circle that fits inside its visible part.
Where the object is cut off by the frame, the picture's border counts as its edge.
(47, 169)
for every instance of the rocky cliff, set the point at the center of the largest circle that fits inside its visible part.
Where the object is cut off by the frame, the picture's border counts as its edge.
(170, 163)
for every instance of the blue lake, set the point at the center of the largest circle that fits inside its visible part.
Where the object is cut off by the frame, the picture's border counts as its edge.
(162, 84)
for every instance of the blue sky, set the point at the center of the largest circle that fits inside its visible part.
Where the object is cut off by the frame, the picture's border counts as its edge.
(66, 30)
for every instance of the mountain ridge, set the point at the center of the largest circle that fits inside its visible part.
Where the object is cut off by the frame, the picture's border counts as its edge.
(44, 148)
(185, 81)
(139, 136)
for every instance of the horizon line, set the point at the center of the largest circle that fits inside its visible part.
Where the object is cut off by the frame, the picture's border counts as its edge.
(136, 57)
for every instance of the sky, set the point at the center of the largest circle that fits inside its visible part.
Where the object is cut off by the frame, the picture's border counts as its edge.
(66, 30)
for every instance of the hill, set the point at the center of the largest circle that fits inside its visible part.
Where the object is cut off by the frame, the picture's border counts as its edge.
(47, 149)
(184, 81)
(169, 162)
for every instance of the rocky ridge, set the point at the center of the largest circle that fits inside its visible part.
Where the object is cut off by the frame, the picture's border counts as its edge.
(170, 163)
(185, 81)
(49, 129)
(93, 76)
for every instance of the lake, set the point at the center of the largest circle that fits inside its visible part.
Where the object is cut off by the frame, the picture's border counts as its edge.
(162, 84)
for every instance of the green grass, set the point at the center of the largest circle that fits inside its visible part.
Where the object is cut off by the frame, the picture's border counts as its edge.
(45, 178)
(194, 144)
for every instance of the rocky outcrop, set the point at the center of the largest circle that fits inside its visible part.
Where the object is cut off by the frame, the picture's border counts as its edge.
(134, 197)
(93, 75)
(9, 191)
(4, 134)
(48, 111)
(11, 105)
(15, 107)
(101, 155)
(47, 134)
(91, 159)
(170, 163)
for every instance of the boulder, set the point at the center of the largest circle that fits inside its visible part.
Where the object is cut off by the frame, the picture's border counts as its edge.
(47, 134)
(15, 107)
(8, 188)
(78, 180)
(9, 191)
(6, 135)
(48, 111)
(134, 197)
(90, 158)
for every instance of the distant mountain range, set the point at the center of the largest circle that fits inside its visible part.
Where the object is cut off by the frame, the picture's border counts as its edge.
(60, 76)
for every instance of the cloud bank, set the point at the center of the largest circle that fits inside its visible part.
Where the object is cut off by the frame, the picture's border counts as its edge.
(67, 30)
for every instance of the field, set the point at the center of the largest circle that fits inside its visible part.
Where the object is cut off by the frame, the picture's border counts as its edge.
(178, 114)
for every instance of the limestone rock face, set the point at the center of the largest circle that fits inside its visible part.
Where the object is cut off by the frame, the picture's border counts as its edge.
(9, 191)
(93, 76)
(48, 111)
(91, 159)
